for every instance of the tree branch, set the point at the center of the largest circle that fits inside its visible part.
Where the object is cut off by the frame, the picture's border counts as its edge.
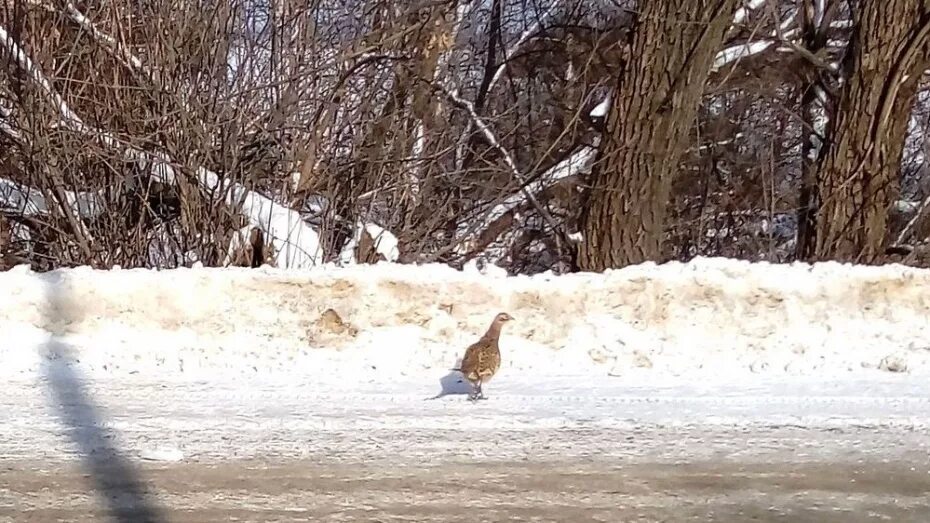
(508, 158)
(295, 242)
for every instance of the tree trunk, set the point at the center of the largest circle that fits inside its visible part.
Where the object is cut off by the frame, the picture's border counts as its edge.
(816, 112)
(653, 110)
(858, 178)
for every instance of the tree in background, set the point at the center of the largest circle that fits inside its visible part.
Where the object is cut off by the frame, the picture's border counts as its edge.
(860, 168)
(538, 136)
(655, 103)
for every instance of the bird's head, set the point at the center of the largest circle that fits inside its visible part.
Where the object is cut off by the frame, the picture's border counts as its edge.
(494, 331)
(502, 317)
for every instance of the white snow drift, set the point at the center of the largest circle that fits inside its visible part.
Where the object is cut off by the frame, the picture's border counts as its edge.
(720, 318)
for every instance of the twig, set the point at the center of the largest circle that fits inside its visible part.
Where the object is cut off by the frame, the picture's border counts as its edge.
(130, 60)
(905, 233)
(508, 158)
(499, 73)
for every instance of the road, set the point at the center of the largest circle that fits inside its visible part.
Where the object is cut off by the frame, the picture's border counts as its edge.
(488, 491)
(134, 449)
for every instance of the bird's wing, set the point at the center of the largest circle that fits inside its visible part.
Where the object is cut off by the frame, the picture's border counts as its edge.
(472, 358)
(486, 362)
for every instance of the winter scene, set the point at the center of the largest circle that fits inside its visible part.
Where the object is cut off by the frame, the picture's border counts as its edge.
(465, 261)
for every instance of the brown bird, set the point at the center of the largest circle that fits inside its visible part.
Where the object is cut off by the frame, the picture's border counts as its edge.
(483, 358)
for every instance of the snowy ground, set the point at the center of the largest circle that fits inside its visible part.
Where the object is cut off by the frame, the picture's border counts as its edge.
(710, 391)
(553, 449)
(210, 421)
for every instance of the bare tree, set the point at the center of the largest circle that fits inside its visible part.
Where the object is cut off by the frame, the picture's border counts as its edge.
(295, 133)
(654, 107)
(859, 174)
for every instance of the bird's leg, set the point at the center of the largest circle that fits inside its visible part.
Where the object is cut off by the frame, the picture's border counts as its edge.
(476, 392)
(473, 395)
(480, 394)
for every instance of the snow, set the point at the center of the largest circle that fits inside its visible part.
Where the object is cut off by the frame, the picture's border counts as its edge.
(486, 268)
(600, 111)
(745, 50)
(820, 8)
(295, 243)
(819, 119)
(354, 364)
(26, 63)
(414, 178)
(509, 52)
(78, 17)
(402, 421)
(162, 454)
(712, 318)
(906, 206)
(385, 243)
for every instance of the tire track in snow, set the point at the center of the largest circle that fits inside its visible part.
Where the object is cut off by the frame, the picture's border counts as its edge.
(217, 420)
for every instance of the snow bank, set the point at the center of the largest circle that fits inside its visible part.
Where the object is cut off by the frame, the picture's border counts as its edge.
(718, 318)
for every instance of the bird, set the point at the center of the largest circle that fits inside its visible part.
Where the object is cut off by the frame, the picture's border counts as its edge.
(483, 358)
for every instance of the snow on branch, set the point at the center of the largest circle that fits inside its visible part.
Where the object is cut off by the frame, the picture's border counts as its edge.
(383, 243)
(5, 127)
(718, 143)
(745, 50)
(18, 55)
(415, 175)
(508, 158)
(27, 201)
(743, 12)
(296, 244)
(738, 52)
(499, 73)
(578, 163)
(820, 9)
(601, 110)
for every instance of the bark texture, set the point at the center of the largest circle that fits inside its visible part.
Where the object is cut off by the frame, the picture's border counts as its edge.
(653, 109)
(858, 177)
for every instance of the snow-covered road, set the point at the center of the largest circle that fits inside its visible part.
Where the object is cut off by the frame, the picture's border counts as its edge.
(710, 391)
(554, 416)
(554, 448)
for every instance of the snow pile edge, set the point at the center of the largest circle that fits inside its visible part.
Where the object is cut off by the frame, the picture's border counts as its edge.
(717, 317)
